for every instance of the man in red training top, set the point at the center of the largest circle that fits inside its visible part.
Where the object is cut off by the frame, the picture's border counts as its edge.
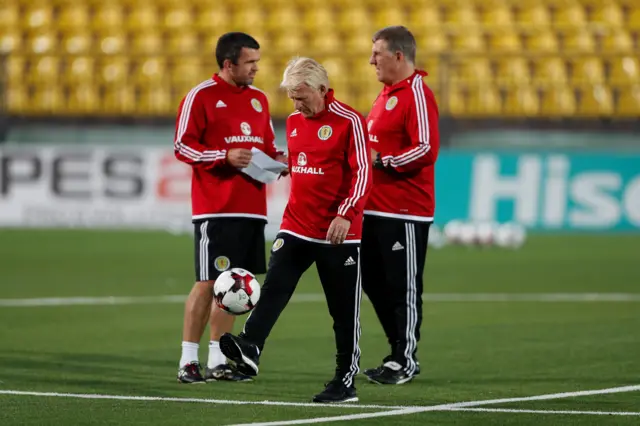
(403, 129)
(330, 168)
(219, 121)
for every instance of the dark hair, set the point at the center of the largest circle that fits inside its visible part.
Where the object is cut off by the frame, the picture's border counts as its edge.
(399, 39)
(230, 47)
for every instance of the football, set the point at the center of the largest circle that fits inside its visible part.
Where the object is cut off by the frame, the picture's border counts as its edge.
(236, 291)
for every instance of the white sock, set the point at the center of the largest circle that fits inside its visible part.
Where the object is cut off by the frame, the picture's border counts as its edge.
(216, 357)
(189, 353)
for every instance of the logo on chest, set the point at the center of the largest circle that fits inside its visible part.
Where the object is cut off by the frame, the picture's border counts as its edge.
(325, 133)
(391, 103)
(245, 128)
(256, 105)
(302, 166)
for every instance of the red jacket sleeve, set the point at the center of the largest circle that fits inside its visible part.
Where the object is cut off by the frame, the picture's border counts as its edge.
(190, 127)
(421, 123)
(360, 164)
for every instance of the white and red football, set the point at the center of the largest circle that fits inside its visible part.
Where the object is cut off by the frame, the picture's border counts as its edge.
(236, 291)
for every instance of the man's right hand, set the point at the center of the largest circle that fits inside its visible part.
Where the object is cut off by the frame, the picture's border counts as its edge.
(239, 157)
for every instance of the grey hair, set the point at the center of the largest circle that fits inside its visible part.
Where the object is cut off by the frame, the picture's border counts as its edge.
(301, 70)
(399, 39)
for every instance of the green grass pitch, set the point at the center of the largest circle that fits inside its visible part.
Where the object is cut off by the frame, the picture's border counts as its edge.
(469, 351)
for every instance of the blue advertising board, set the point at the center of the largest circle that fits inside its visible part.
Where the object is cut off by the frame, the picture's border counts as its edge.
(558, 190)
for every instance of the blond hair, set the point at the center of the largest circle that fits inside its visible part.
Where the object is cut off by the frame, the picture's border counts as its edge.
(307, 71)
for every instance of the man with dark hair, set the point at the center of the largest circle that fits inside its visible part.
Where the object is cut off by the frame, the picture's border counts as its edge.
(403, 130)
(219, 121)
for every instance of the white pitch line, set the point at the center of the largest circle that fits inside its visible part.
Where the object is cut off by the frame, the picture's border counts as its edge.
(319, 297)
(515, 410)
(201, 400)
(445, 407)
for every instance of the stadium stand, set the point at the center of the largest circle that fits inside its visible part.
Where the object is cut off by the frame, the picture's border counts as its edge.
(534, 58)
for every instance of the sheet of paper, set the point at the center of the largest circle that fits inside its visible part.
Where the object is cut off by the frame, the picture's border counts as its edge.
(263, 168)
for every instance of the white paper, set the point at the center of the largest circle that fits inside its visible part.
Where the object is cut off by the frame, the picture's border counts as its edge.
(263, 168)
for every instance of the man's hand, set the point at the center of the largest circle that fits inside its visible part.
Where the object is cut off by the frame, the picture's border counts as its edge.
(374, 155)
(239, 157)
(338, 229)
(283, 159)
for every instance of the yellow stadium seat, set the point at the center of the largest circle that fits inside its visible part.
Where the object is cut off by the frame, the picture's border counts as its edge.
(558, 101)
(533, 15)
(550, 71)
(79, 70)
(213, 18)
(15, 70)
(336, 69)
(18, 99)
(359, 44)
(150, 71)
(633, 19)
(250, 19)
(473, 71)
(47, 99)
(454, 103)
(513, 71)
(431, 67)
(470, 41)
(9, 16)
(289, 44)
(154, 100)
(542, 42)
(625, 70)
(319, 20)
(389, 15)
(461, 16)
(114, 70)
(41, 43)
(73, 17)
(497, 16)
(430, 43)
(143, 16)
(521, 101)
(189, 70)
(108, 15)
(424, 18)
(322, 44)
(618, 41)
(10, 41)
(608, 14)
(355, 18)
(183, 42)
(83, 99)
(119, 100)
(628, 104)
(570, 16)
(588, 70)
(595, 101)
(282, 15)
(112, 43)
(77, 43)
(580, 41)
(148, 42)
(506, 42)
(484, 101)
(178, 17)
(38, 15)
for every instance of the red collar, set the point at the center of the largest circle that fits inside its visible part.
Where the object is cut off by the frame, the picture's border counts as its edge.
(236, 89)
(328, 98)
(403, 83)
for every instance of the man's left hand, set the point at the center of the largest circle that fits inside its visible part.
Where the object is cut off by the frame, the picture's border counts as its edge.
(338, 230)
(374, 155)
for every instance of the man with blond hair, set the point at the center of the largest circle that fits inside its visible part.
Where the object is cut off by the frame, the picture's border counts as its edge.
(330, 179)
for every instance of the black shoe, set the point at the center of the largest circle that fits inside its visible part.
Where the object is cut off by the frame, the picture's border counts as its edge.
(246, 355)
(225, 372)
(336, 392)
(392, 374)
(377, 370)
(190, 373)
